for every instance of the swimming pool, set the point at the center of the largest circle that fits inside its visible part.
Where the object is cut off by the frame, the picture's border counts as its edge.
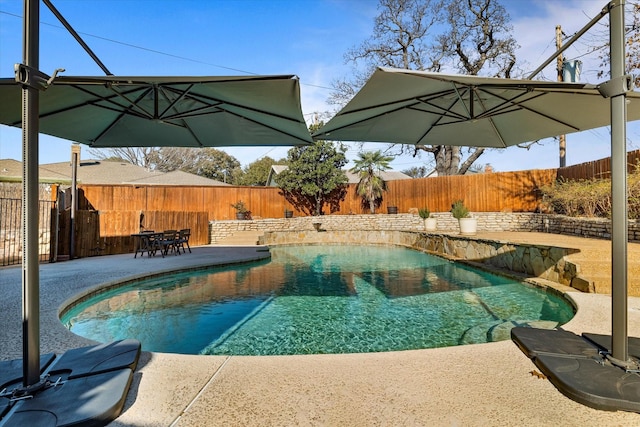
(318, 299)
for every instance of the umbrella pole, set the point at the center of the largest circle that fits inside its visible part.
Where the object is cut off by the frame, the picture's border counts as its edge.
(619, 234)
(30, 267)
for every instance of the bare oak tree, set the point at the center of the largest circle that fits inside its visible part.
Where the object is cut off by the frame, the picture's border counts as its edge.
(466, 36)
(632, 41)
(208, 162)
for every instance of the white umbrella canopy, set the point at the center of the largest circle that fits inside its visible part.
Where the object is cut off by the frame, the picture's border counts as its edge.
(129, 111)
(424, 108)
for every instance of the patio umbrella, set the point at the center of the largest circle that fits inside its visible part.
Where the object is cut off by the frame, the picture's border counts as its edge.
(134, 111)
(140, 111)
(424, 108)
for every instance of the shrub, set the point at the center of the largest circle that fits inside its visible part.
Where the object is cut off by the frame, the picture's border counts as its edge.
(590, 197)
(240, 207)
(424, 213)
(459, 210)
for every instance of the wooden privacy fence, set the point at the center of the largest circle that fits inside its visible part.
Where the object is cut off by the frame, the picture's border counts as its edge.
(486, 192)
(109, 232)
(597, 168)
(490, 192)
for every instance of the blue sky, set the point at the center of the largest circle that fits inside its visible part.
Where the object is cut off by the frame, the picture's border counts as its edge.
(307, 38)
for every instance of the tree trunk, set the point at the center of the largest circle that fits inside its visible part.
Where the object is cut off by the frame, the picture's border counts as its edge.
(372, 202)
(447, 160)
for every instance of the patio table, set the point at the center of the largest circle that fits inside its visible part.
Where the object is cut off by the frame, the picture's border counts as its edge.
(148, 242)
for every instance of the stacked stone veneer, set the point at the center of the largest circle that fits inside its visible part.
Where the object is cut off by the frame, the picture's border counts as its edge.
(490, 221)
(487, 221)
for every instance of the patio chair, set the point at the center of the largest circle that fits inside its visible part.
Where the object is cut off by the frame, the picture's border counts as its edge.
(169, 242)
(183, 239)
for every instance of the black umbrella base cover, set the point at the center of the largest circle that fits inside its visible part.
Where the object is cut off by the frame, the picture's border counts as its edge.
(84, 387)
(578, 367)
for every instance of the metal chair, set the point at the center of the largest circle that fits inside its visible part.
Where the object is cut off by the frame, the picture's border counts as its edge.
(183, 239)
(170, 242)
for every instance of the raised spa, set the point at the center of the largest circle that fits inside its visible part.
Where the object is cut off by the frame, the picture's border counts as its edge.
(318, 299)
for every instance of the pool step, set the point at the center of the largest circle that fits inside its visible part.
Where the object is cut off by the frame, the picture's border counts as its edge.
(500, 330)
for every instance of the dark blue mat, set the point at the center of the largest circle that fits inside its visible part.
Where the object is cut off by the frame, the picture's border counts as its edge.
(578, 367)
(86, 387)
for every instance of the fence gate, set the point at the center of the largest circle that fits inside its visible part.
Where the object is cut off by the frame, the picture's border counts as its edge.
(11, 230)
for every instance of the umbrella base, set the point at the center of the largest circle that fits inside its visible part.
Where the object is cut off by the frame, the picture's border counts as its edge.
(578, 366)
(85, 386)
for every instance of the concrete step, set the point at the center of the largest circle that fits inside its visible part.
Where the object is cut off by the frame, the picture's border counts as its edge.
(241, 238)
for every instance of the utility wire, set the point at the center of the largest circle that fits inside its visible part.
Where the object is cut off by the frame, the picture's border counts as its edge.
(158, 52)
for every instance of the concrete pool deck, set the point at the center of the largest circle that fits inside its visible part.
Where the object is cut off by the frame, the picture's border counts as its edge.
(482, 384)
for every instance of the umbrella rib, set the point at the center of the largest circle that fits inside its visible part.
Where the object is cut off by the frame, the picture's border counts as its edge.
(218, 103)
(524, 107)
(122, 114)
(493, 125)
(266, 125)
(134, 104)
(209, 102)
(446, 111)
(172, 105)
(119, 108)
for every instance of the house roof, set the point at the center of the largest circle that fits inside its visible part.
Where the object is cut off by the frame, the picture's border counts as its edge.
(105, 172)
(386, 175)
(351, 177)
(178, 178)
(11, 170)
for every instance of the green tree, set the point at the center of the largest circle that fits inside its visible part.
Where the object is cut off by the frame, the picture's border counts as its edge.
(470, 36)
(256, 173)
(368, 166)
(315, 177)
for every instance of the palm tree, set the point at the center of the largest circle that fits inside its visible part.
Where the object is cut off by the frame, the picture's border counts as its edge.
(371, 185)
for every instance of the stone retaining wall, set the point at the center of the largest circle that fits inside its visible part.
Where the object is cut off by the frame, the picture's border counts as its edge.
(487, 221)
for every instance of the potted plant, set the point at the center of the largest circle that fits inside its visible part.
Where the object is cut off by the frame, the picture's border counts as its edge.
(468, 224)
(241, 210)
(430, 223)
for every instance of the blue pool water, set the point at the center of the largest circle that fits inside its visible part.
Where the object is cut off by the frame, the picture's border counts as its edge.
(318, 299)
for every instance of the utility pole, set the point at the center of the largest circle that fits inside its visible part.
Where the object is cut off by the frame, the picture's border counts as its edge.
(562, 138)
